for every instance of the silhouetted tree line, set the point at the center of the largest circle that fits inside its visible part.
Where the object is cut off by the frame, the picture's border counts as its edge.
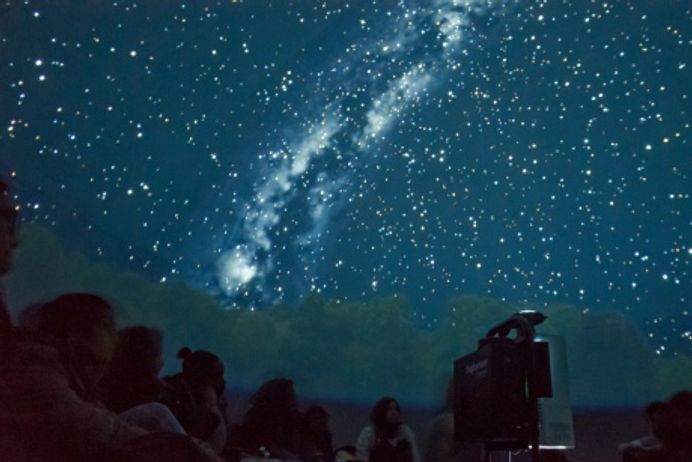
(353, 349)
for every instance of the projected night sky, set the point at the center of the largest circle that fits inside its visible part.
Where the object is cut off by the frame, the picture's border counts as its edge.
(532, 151)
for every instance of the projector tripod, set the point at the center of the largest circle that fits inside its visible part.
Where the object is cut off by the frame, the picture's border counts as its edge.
(490, 456)
(503, 455)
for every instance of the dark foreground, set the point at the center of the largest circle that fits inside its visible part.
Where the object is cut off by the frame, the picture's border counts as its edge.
(597, 432)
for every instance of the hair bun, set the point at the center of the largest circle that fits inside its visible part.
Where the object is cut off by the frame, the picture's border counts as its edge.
(184, 353)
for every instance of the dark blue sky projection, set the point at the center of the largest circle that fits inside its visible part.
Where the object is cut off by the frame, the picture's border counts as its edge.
(533, 151)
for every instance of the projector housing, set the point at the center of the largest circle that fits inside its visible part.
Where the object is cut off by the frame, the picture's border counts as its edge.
(491, 392)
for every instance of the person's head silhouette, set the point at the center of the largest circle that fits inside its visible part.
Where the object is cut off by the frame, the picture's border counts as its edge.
(9, 228)
(82, 327)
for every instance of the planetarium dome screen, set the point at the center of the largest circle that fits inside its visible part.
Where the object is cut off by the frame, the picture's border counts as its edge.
(350, 193)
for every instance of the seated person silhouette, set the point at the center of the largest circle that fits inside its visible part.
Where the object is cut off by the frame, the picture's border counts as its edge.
(387, 438)
(48, 392)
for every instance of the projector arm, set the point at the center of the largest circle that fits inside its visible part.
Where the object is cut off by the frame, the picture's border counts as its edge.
(523, 323)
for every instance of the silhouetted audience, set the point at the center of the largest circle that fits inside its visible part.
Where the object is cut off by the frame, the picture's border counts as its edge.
(270, 426)
(9, 239)
(315, 437)
(345, 454)
(439, 441)
(158, 447)
(387, 438)
(195, 396)
(133, 378)
(48, 393)
(671, 432)
(48, 409)
(655, 413)
(677, 428)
